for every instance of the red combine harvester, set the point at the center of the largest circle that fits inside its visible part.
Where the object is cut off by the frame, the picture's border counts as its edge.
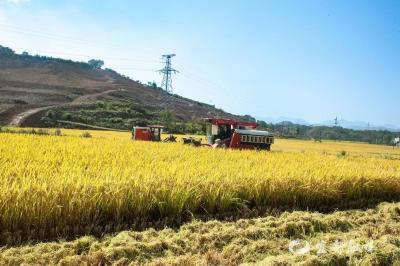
(229, 133)
(149, 133)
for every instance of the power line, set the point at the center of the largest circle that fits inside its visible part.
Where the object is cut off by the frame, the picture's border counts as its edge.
(52, 36)
(193, 66)
(206, 83)
(136, 69)
(167, 80)
(198, 84)
(42, 34)
(195, 75)
(202, 79)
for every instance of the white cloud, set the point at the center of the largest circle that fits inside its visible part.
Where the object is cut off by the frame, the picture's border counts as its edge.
(18, 1)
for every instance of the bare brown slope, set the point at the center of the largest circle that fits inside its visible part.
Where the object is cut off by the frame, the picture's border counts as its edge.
(31, 84)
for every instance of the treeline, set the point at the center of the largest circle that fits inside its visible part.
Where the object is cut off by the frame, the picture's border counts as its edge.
(318, 133)
(7, 52)
(122, 115)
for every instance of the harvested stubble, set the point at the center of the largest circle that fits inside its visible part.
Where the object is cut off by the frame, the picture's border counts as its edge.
(68, 186)
(368, 237)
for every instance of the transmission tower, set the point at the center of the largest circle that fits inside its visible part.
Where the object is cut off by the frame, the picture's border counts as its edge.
(167, 72)
(336, 122)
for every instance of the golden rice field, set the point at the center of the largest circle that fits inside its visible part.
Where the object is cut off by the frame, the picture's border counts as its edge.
(66, 186)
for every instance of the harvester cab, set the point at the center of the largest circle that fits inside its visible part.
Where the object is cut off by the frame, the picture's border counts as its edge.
(229, 133)
(148, 133)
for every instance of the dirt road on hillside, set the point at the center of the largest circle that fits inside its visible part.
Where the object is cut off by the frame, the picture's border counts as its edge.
(84, 99)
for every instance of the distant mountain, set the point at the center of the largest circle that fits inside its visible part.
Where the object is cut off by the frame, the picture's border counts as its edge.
(360, 125)
(276, 120)
(356, 125)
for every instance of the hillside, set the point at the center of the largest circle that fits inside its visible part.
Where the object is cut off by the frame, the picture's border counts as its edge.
(39, 91)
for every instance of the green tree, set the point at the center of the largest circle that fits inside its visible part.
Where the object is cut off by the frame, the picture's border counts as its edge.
(249, 118)
(6, 51)
(152, 85)
(168, 119)
(96, 63)
(262, 124)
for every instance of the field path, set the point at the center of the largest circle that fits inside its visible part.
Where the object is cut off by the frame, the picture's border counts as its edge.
(84, 99)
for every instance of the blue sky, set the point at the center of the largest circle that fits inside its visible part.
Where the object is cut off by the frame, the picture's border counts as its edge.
(308, 59)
